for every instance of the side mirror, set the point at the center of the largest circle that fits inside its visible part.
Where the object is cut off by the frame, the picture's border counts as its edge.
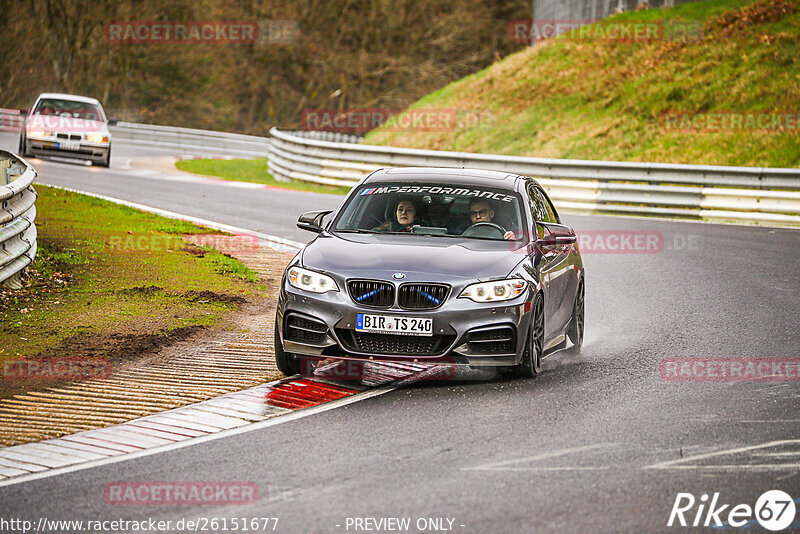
(553, 238)
(113, 122)
(541, 240)
(312, 220)
(24, 112)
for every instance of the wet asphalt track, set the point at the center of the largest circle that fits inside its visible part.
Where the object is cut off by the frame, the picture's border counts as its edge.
(589, 446)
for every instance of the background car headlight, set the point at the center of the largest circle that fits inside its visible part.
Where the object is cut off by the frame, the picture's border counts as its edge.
(496, 291)
(96, 138)
(311, 280)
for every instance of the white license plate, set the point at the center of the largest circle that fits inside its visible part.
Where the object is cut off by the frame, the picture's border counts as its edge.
(69, 145)
(387, 324)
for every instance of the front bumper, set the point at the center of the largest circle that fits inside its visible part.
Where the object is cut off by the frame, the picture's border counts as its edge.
(455, 327)
(50, 146)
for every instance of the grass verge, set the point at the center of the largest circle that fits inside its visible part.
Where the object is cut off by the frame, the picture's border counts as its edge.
(114, 282)
(603, 99)
(250, 170)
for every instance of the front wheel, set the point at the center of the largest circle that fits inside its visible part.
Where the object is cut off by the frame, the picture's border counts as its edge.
(22, 144)
(106, 162)
(576, 326)
(531, 364)
(286, 363)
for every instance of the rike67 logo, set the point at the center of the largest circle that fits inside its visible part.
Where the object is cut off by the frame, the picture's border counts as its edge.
(774, 510)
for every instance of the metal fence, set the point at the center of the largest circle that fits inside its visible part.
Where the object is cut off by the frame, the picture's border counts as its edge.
(17, 228)
(747, 194)
(186, 140)
(592, 10)
(190, 140)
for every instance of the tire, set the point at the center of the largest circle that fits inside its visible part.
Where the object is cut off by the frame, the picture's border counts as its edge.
(286, 363)
(577, 324)
(106, 162)
(22, 144)
(531, 364)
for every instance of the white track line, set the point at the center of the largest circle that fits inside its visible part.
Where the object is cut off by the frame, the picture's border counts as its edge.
(505, 464)
(681, 463)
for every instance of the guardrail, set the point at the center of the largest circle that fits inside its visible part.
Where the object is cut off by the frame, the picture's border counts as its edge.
(190, 140)
(184, 139)
(745, 194)
(17, 214)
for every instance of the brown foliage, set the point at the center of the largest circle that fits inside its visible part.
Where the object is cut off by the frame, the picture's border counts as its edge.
(754, 14)
(349, 53)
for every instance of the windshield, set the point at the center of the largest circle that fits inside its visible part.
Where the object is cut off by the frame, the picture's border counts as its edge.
(69, 108)
(431, 209)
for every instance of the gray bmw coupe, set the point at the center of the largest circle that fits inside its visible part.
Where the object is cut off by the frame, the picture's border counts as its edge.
(455, 266)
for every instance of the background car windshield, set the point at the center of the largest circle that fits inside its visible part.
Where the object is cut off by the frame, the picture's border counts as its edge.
(439, 210)
(69, 108)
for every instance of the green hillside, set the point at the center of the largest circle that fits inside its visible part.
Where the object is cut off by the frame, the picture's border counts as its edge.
(728, 94)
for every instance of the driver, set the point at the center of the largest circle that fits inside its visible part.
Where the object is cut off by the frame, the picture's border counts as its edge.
(480, 211)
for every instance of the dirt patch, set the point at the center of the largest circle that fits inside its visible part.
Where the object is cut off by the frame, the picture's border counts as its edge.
(118, 346)
(211, 296)
(194, 250)
(141, 290)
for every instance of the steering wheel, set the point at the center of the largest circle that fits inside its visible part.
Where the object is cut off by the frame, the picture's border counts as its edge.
(484, 229)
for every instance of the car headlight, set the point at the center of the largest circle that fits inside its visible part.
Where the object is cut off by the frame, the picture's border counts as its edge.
(96, 138)
(496, 291)
(311, 280)
(35, 133)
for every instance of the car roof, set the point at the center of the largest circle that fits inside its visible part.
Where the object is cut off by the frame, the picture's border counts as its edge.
(442, 174)
(63, 96)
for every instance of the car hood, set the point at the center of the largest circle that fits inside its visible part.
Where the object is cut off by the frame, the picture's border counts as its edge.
(420, 258)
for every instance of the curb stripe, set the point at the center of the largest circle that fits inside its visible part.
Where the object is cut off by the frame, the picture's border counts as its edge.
(241, 411)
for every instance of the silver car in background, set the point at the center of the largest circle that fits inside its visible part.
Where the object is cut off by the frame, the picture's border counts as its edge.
(68, 126)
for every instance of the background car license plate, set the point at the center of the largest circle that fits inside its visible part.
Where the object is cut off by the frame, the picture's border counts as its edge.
(69, 145)
(386, 324)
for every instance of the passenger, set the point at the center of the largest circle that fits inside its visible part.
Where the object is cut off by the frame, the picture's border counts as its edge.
(405, 214)
(481, 211)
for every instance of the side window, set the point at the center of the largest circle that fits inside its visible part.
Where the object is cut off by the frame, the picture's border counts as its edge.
(539, 206)
(551, 210)
(535, 206)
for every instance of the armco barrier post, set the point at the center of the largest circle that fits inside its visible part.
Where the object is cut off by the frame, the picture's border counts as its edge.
(15, 282)
(5, 164)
